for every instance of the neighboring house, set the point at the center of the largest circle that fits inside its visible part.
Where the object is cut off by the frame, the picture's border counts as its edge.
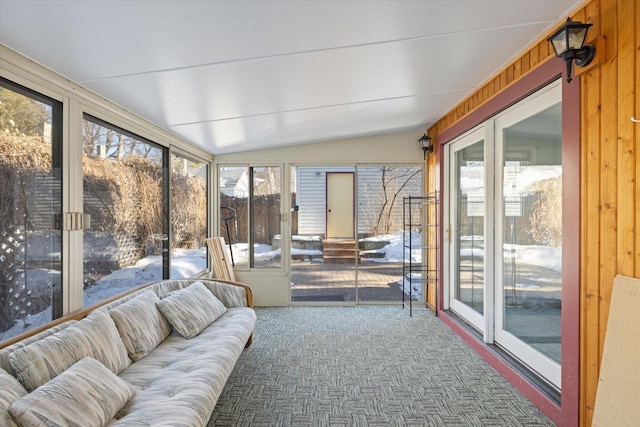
(400, 181)
(234, 182)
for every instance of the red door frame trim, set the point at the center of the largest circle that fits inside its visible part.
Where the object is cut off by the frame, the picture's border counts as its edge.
(567, 413)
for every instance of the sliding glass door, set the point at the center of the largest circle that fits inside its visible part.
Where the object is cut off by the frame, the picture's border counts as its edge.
(31, 238)
(323, 241)
(466, 233)
(126, 240)
(504, 236)
(528, 252)
(348, 234)
(382, 237)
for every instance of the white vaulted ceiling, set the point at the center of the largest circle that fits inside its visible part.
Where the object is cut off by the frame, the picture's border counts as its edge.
(234, 76)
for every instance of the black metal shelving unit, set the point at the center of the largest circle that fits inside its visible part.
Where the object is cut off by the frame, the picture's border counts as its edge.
(420, 214)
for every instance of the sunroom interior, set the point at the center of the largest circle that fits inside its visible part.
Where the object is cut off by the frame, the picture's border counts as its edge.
(133, 131)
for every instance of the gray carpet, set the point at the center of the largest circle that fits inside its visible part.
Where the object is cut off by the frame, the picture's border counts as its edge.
(365, 366)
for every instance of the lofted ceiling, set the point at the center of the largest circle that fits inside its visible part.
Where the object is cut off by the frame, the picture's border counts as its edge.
(233, 76)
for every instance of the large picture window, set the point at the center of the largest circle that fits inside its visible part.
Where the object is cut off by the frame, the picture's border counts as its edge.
(504, 218)
(188, 216)
(30, 210)
(125, 194)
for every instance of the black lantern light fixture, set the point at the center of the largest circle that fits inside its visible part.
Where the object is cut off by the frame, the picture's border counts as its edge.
(568, 44)
(426, 145)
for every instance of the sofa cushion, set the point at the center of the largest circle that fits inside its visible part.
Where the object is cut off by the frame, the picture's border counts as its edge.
(86, 394)
(103, 340)
(95, 336)
(229, 295)
(180, 381)
(10, 391)
(191, 309)
(140, 324)
(5, 362)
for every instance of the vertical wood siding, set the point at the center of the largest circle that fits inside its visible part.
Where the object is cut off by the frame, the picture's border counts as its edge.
(610, 166)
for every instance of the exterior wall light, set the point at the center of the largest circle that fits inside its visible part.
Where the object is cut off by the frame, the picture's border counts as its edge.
(426, 145)
(568, 44)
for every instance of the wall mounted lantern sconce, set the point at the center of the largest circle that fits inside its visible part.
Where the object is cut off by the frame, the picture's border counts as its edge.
(426, 144)
(568, 44)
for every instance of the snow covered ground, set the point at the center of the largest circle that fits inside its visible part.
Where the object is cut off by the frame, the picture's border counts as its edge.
(187, 262)
(184, 263)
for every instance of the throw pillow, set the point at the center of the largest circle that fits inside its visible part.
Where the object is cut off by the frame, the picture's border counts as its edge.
(86, 394)
(10, 391)
(41, 361)
(141, 326)
(5, 362)
(103, 340)
(191, 309)
(95, 336)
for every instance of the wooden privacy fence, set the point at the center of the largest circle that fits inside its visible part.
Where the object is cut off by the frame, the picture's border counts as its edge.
(266, 218)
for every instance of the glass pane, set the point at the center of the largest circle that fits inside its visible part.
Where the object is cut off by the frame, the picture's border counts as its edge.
(322, 270)
(30, 212)
(470, 210)
(532, 221)
(234, 211)
(265, 209)
(123, 192)
(188, 217)
(381, 190)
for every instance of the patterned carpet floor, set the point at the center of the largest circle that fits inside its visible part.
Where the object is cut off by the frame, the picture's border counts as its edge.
(365, 366)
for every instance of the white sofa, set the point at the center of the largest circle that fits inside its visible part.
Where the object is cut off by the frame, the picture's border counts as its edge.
(157, 356)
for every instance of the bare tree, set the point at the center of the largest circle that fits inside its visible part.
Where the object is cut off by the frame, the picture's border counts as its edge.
(393, 181)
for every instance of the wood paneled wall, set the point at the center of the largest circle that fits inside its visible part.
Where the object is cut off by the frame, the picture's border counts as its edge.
(610, 165)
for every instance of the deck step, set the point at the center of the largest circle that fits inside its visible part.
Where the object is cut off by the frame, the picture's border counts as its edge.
(339, 251)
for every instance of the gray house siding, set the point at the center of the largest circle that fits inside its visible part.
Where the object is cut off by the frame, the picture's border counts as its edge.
(311, 191)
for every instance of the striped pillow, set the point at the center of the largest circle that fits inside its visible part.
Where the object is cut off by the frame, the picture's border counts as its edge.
(103, 342)
(5, 362)
(95, 336)
(86, 394)
(10, 391)
(191, 309)
(141, 326)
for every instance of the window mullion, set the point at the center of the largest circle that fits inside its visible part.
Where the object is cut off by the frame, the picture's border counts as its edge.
(250, 234)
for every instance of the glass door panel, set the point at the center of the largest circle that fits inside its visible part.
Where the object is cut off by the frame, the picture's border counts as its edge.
(381, 190)
(188, 216)
(126, 242)
(529, 238)
(467, 231)
(323, 270)
(331, 260)
(30, 210)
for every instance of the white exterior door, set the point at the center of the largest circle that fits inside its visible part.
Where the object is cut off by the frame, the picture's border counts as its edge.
(340, 205)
